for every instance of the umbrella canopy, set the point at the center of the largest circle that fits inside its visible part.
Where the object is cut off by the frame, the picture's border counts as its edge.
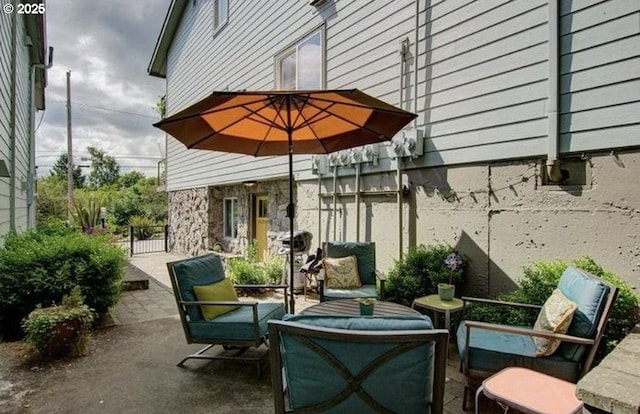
(286, 122)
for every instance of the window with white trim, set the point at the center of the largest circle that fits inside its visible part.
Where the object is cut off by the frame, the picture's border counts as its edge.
(301, 65)
(230, 217)
(220, 14)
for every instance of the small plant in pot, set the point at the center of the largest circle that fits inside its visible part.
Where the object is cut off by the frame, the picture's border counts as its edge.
(366, 306)
(454, 263)
(60, 330)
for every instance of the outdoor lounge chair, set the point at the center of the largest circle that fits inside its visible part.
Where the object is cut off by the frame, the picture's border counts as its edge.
(357, 364)
(243, 324)
(365, 253)
(488, 348)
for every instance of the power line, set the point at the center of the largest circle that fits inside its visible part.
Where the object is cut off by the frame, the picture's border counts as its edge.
(106, 109)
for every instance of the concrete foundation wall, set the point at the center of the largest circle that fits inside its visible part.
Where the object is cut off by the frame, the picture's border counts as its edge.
(500, 215)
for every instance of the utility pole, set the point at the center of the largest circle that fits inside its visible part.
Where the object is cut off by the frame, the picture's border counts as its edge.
(69, 149)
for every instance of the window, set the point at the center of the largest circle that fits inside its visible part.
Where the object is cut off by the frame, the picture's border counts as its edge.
(231, 217)
(300, 66)
(220, 14)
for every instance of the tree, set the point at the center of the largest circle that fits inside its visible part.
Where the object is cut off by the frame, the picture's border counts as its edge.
(105, 170)
(130, 179)
(59, 170)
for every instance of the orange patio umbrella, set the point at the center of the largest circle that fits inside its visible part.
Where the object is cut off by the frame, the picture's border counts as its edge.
(286, 122)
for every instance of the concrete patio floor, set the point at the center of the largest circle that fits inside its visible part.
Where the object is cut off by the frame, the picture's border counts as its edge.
(131, 368)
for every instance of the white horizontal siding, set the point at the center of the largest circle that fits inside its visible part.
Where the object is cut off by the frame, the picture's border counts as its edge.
(484, 87)
(240, 56)
(600, 82)
(482, 73)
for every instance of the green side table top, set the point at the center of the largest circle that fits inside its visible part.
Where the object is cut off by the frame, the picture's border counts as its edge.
(434, 302)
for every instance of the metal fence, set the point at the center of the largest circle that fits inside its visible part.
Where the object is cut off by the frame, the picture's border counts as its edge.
(148, 239)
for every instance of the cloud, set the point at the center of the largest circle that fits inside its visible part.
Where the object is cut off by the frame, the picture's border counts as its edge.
(107, 47)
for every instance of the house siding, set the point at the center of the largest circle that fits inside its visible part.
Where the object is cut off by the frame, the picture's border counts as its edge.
(20, 171)
(482, 102)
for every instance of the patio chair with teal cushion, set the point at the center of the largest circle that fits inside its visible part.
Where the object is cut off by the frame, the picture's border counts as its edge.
(345, 364)
(562, 343)
(211, 313)
(362, 278)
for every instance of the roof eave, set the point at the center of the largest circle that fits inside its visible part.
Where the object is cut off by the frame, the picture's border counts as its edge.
(158, 64)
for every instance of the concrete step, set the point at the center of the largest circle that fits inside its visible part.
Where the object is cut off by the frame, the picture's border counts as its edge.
(135, 279)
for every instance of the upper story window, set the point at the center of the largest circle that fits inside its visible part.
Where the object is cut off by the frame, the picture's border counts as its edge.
(301, 65)
(220, 14)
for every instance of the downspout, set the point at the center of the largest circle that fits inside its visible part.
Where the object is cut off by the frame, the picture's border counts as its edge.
(553, 161)
(400, 207)
(415, 64)
(357, 202)
(319, 209)
(335, 201)
(31, 211)
(12, 123)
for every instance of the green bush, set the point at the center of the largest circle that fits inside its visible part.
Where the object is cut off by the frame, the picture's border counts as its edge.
(272, 268)
(541, 277)
(41, 266)
(418, 273)
(142, 227)
(60, 329)
(244, 272)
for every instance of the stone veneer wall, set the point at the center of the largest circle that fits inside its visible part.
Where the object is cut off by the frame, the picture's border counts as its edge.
(278, 192)
(188, 221)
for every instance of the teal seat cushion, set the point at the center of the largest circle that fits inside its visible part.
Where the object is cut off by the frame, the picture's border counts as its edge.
(374, 323)
(590, 295)
(201, 270)
(237, 324)
(402, 384)
(365, 253)
(492, 351)
(364, 291)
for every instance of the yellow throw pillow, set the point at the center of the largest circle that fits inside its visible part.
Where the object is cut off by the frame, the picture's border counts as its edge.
(555, 316)
(217, 292)
(341, 273)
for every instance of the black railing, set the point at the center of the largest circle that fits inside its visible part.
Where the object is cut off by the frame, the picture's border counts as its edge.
(148, 239)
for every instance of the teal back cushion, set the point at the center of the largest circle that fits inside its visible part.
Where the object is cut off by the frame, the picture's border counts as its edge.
(365, 252)
(403, 384)
(201, 270)
(590, 294)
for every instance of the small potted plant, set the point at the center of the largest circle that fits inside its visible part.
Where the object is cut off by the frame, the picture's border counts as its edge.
(366, 306)
(454, 263)
(60, 330)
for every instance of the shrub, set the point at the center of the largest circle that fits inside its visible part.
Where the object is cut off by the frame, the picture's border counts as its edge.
(142, 227)
(273, 267)
(541, 277)
(418, 273)
(40, 267)
(60, 330)
(244, 272)
(86, 213)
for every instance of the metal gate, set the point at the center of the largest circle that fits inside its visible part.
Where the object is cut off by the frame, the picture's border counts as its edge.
(148, 239)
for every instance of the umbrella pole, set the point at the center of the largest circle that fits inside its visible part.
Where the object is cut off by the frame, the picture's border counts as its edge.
(291, 214)
(291, 211)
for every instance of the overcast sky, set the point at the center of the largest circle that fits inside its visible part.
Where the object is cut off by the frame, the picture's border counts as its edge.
(107, 46)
